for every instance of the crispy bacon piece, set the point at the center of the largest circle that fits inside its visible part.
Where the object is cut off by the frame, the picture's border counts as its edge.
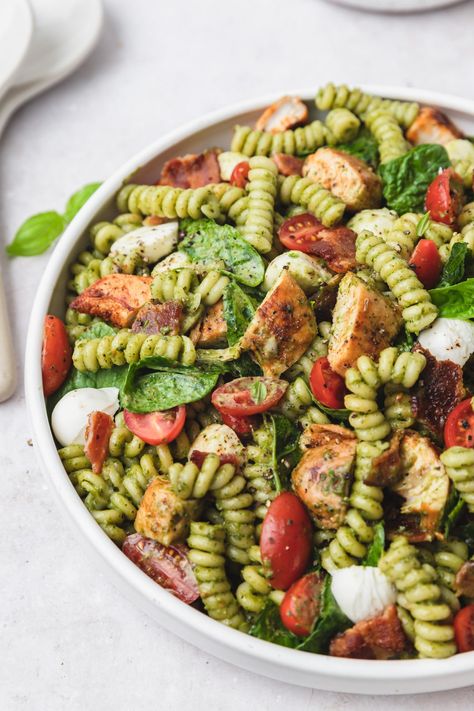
(198, 457)
(115, 298)
(439, 389)
(379, 637)
(154, 221)
(432, 126)
(387, 468)
(159, 318)
(287, 112)
(191, 171)
(288, 165)
(464, 582)
(98, 430)
(337, 247)
(211, 331)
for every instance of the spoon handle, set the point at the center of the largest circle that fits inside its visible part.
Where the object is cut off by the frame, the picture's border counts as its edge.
(8, 376)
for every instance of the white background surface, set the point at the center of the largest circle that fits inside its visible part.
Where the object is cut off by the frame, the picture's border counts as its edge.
(68, 639)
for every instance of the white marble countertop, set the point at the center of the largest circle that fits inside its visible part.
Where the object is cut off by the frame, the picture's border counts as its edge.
(68, 638)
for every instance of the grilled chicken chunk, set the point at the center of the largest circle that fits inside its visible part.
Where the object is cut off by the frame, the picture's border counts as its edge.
(287, 112)
(432, 126)
(115, 298)
(163, 515)
(282, 328)
(211, 331)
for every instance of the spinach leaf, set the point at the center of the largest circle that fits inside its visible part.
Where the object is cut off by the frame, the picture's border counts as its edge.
(466, 533)
(364, 146)
(285, 451)
(238, 312)
(330, 622)
(376, 548)
(406, 179)
(222, 247)
(243, 366)
(452, 511)
(453, 271)
(456, 301)
(268, 626)
(339, 415)
(99, 329)
(168, 386)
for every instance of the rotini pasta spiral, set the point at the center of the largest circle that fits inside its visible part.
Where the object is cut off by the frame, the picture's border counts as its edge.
(388, 134)
(232, 200)
(255, 588)
(227, 487)
(403, 235)
(207, 546)
(459, 463)
(317, 349)
(418, 311)
(262, 188)
(342, 125)
(297, 403)
(331, 96)
(76, 324)
(73, 458)
(466, 223)
(328, 208)
(128, 347)
(180, 284)
(165, 201)
(420, 595)
(104, 234)
(299, 141)
(87, 269)
(448, 558)
(397, 407)
(258, 471)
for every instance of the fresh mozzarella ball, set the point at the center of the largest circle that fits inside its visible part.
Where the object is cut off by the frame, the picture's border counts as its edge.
(449, 339)
(69, 418)
(308, 272)
(362, 591)
(150, 243)
(177, 260)
(218, 439)
(227, 162)
(379, 222)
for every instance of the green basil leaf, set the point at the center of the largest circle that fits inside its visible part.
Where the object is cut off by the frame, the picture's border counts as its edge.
(258, 391)
(238, 312)
(456, 301)
(222, 247)
(268, 626)
(406, 179)
(423, 224)
(364, 146)
(79, 199)
(36, 234)
(339, 415)
(330, 622)
(376, 548)
(454, 268)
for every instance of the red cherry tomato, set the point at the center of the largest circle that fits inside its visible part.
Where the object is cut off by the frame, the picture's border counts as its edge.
(240, 174)
(56, 356)
(444, 197)
(286, 540)
(300, 232)
(464, 629)
(327, 386)
(300, 606)
(166, 565)
(241, 425)
(426, 262)
(98, 430)
(156, 427)
(248, 396)
(459, 426)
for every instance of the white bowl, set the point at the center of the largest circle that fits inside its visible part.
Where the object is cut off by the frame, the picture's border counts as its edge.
(313, 670)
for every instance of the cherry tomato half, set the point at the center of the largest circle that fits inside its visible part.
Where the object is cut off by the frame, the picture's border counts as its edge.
(241, 425)
(300, 232)
(464, 629)
(166, 565)
(299, 608)
(459, 426)
(98, 430)
(240, 174)
(248, 396)
(426, 262)
(56, 356)
(444, 197)
(286, 540)
(327, 386)
(156, 427)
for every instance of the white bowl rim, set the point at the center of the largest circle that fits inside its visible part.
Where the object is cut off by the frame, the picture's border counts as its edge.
(213, 635)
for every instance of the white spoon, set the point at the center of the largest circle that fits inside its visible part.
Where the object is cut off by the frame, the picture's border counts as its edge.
(65, 32)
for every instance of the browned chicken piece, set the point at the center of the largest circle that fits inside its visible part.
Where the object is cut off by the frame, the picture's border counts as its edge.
(424, 486)
(191, 171)
(282, 328)
(346, 176)
(386, 469)
(211, 331)
(323, 476)
(464, 582)
(379, 637)
(288, 165)
(163, 515)
(115, 298)
(432, 126)
(287, 112)
(159, 318)
(364, 323)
